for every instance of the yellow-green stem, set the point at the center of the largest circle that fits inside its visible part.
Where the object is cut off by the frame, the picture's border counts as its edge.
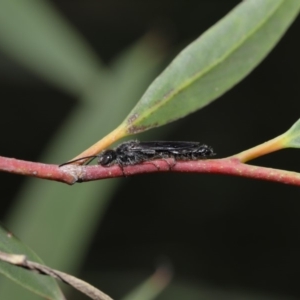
(262, 149)
(109, 139)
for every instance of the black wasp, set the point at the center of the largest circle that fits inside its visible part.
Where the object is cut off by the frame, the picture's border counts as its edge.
(134, 152)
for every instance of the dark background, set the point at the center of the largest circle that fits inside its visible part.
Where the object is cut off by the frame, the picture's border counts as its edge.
(223, 232)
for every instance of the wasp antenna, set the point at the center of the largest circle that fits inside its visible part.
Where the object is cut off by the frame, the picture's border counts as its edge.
(78, 159)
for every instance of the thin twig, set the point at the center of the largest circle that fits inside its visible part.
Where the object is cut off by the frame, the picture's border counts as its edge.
(80, 285)
(74, 173)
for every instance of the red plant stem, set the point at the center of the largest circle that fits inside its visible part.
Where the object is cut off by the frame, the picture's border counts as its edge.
(27, 168)
(73, 173)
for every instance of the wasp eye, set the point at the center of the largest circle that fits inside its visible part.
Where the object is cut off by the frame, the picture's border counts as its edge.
(107, 158)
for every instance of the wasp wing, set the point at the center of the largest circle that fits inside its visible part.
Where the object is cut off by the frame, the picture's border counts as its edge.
(166, 146)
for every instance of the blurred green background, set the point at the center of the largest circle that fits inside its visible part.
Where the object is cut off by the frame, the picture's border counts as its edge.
(70, 71)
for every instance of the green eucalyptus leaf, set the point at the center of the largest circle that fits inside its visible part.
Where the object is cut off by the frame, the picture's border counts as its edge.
(42, 285)
(292, 136)
(34, 34)
(215, 62)
(58, 221)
